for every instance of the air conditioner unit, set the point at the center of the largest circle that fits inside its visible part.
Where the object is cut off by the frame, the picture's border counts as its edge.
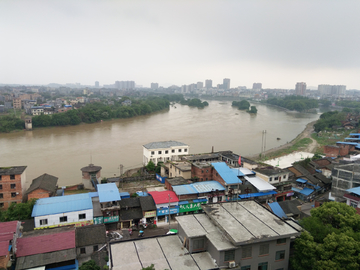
(232, 264)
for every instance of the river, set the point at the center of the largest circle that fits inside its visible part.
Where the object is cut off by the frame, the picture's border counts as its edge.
(63, 151)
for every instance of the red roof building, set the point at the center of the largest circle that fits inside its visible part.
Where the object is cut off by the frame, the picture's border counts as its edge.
(45, 243)
(164, 197)
(8, 234)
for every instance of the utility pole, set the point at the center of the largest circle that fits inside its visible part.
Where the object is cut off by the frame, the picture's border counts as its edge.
(169, 211)
(121, 172)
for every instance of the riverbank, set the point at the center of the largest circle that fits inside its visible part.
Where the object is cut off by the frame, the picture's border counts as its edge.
(311, 147)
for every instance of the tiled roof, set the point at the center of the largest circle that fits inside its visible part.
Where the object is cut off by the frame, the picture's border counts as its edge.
(167, 144)
(7, 230)
(12, 170)
(4, 248)
(45, 243)
(147, 203)
(45, 181)
(161, 197)
(90, 235)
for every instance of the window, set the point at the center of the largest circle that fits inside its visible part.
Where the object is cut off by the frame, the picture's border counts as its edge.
(0, 177)
(263, 266)
(173, 151)
(202, 171)
(43, 221)
(229, 255)
(270, 179)
(246, 252)
(1, 196)
(246, 267)
(353, 204)
(152, 152)
(276, 178)
(1, 204)
(198, 244)
(159, 152)
(280, 255)
(185, 150)
(0, 186)
(82, 251)
(284, 177)
(13, 194)
(12, 176)
(179, 150)
(63, 219)
(207, 171)
(95, 248)
(166, 151)
(12, 186)
(281, 241)
(82, 216)
(264, 249)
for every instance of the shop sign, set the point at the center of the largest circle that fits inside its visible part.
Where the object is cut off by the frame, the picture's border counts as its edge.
(190, 207)
(290, 194)
(163, 212)
(98, 220)
(150, 214)
(111, 219)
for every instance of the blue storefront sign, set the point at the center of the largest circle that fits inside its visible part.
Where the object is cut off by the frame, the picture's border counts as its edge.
(165, 211)
(160, 179)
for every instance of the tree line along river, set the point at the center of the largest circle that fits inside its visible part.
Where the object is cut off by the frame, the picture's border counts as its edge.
(63, 151)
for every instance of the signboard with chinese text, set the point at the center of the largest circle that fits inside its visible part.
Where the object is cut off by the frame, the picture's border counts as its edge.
(150, 214)
(98, 220)
(111, 219)
(190, 207)
(165, 211)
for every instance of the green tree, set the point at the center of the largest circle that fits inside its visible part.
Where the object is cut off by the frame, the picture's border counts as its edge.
(150, 166)
(89, 265)
(18, 211)
(150, 267)
(253, 109)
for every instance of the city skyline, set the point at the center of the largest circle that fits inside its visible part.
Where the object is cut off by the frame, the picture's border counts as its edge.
(276, 43)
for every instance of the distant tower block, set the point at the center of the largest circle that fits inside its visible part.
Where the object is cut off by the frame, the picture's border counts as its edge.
(90, 176)
(28, 124)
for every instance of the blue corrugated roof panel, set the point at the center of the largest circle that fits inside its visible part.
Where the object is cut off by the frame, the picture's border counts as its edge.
(240, 171)
(276, 208)
(124, 195)
(207, 186)
(140, 193)
(62, 204)
(300, 180)
(108, 192)
(305, 191)
(93, 194)
(315, 186)
(251, 195)
(354, 134)
(184, 190)
(226, 173)
(355, 190)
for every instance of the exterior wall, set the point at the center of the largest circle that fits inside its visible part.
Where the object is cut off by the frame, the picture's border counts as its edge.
(4, 260)
(343, 179)
(17, 103)
(37, 111)
(89, 250)
(172, 154)
(9, 194)
(281, 176)
(331, 151)
(204, 174)
(38, 193)
(176, 172)
(72, 217)
(86, 179)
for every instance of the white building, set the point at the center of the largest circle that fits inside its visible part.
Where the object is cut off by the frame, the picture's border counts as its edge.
(63, 210)
(163, 151)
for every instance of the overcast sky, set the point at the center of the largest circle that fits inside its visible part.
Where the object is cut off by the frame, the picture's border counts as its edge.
(275, 42)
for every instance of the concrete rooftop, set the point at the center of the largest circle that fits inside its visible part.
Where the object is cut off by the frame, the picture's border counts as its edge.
(164, 252)
(287, 161)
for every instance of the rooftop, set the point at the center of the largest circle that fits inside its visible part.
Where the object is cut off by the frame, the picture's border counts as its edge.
(161, 197)
(45, 243)
(165, 252)
(147, 203)
(108, 192)
(90, 235)
(226, 173)
(12, 170)
(61, 204)
(177, 181)
(165, 144)
(248, 222)
(91, 168)
(260, 184)
(45, 181)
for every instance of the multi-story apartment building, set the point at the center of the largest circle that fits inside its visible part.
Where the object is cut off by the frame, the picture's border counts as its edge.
(17, 103)
(12, 185)
(300, 89)
(208, 84)
(163, 151)
(154, 86)
(226, 83)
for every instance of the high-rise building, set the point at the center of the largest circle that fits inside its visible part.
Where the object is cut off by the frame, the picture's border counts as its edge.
(331, 90)
(154, 86)
(199, 85)
(300, 89)
(208, 84)
(125, 84)
(97, 84)
(257, 86)
(226, 84)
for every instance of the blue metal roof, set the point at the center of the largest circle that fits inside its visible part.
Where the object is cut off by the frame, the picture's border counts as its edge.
(183, 202)
(207, 186)
(184, 190)
(315, 186)
(351, 143)
(300, 180)
(354, 134)
(93, 194)
(226, 173)
(62, 204)
(242, 171)
(251, 195)
(305, 191)
(355, 190)
(276, 208)
(140, 193)
(125, 195)
(108, 192)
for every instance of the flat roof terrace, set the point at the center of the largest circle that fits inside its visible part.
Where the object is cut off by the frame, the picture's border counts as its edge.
(165, 252)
